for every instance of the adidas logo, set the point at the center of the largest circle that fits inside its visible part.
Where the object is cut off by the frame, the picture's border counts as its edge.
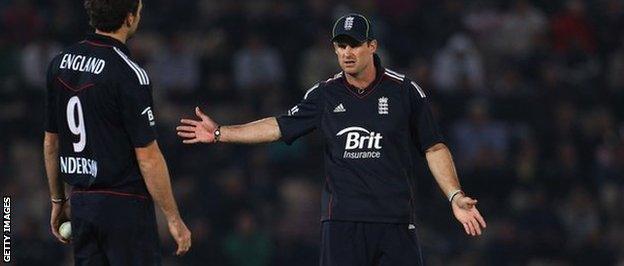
(339, 109)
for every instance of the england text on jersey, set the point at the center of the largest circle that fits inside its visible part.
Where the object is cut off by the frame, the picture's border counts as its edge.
(82, 63)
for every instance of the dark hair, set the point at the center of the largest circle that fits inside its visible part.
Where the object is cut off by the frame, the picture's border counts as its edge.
(109, 15)
(345, 39)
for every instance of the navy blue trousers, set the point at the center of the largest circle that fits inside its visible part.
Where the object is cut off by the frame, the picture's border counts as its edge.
(114, 230)
(369, 244)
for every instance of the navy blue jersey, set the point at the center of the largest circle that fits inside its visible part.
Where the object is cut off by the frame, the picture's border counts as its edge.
(370, 136)
(99, 102)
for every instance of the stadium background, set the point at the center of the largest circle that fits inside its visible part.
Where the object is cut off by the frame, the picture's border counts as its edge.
(530, 95)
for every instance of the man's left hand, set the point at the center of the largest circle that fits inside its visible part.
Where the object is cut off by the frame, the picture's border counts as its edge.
(465, 210)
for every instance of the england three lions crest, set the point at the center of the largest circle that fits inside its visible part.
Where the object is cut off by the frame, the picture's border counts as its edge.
(382, 107)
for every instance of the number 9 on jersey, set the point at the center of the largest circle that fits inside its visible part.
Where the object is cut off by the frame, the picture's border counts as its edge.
(76, 127)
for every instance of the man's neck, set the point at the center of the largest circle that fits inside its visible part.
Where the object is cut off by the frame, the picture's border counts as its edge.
(363, 79)
(119, 35)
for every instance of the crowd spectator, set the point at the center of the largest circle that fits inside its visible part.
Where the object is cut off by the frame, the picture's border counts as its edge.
(459, 66)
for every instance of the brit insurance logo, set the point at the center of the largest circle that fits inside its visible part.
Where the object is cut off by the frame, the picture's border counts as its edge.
(150, 115)
(361, 143)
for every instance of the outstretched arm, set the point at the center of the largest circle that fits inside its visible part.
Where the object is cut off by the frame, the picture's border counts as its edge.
(464, 208)
(203, 130)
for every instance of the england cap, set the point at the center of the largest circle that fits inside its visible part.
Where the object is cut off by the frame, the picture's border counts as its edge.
(353, 25)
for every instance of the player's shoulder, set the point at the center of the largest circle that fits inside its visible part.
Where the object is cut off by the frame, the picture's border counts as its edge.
(71, 49)
(319, 86)
(313, 91)
(334, 79)
(131, 71)
(56, 61)
(394, 75)
(404, 82)
(123, 66)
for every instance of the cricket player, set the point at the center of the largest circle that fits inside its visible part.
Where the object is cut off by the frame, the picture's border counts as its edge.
(373, 121)
(100, 138)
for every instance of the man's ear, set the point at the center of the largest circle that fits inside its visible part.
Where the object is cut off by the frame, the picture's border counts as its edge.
(129, 20)
(373, 45)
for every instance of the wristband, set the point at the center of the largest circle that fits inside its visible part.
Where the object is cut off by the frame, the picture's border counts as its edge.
(455, 193)
(58, 200)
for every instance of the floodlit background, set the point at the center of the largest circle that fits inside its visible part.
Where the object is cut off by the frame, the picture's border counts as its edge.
(530, 95)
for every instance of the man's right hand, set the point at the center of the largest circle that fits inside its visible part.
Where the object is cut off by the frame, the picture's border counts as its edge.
(180, 234)
(194, 131)
(58, 215)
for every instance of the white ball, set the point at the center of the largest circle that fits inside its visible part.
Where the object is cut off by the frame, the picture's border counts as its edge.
(65, 230)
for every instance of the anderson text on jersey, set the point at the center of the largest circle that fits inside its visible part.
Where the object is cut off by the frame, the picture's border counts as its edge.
(78, 165)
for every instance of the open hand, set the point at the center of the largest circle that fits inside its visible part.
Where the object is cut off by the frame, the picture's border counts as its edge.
(194, 131)
(465, 211)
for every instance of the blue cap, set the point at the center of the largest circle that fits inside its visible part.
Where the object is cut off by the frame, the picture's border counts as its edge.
(353, 25)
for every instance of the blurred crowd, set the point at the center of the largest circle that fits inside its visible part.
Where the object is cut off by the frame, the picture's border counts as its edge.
(530, 96)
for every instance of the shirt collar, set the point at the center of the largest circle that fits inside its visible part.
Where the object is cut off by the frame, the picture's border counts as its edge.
(379, 70)
(103, 40)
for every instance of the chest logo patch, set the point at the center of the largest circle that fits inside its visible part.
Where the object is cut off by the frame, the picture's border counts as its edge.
(382, 107)
(340, 109)
(361, 143)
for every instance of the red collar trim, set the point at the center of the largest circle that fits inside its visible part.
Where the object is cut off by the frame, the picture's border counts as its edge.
(355, 91)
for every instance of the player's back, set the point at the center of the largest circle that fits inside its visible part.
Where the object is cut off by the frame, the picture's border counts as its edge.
(99, 102)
